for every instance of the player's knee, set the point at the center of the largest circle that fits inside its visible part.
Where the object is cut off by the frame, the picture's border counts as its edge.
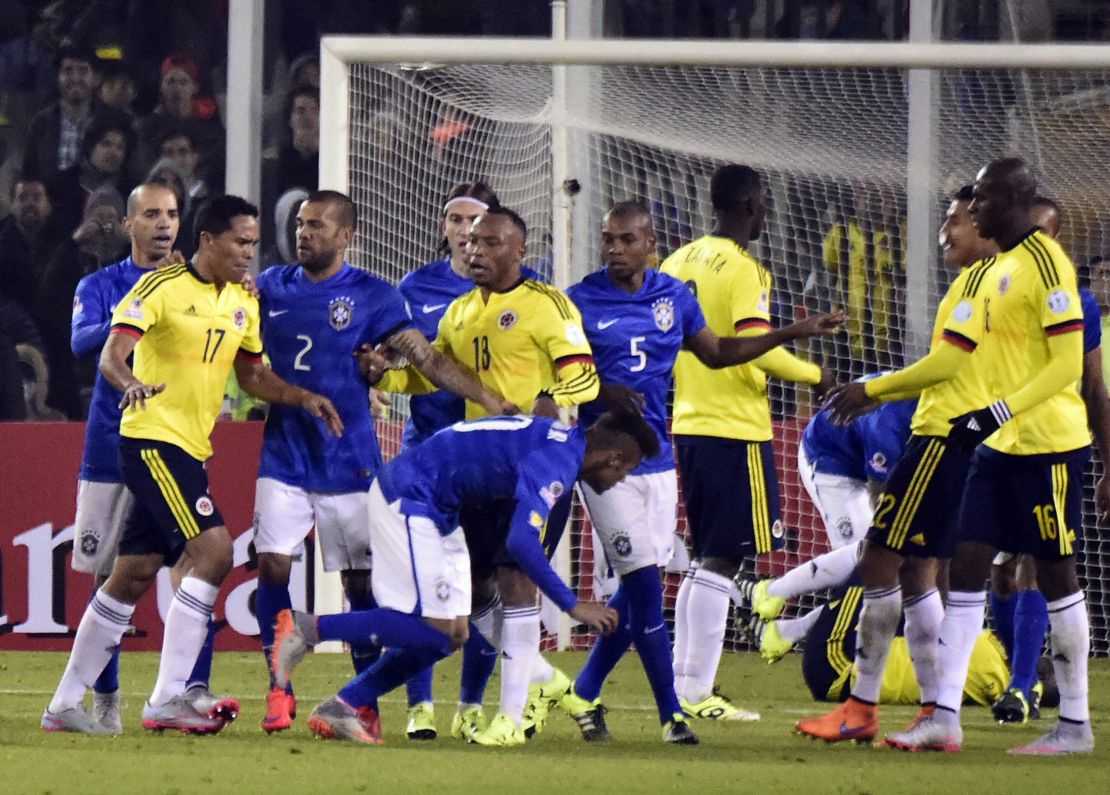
(460, 634)
(1003, 581)
(723, 567)
(515, 586)
(212, 555)
(879, 567)
(132, 576)
(273, 569)
(918, 576)
(356, 584)
(970, 566)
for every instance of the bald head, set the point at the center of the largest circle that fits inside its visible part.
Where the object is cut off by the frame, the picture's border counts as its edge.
(1004, 193)
(1013, 175)
(627, 242)
(147, 193)
(152, 221)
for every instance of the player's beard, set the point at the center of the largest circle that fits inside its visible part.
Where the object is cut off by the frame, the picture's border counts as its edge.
(315, 263)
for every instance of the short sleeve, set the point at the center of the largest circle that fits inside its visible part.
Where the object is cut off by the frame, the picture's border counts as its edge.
(558, 328)
(139, 310)
(693, 320)
(966, 323)
(750, 299)
(251, 343)
(1058, 302)
(391, 314)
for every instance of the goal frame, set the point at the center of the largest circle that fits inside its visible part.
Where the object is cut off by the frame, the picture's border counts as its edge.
(921, 58)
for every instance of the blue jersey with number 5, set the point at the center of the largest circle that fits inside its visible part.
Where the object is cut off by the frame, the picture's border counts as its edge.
(636, 339)
(311, 331)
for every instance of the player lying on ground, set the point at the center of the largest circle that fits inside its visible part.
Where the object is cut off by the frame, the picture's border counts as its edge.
(422, 564)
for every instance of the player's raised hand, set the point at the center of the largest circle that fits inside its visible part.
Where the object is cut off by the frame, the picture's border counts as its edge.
(599, 618)
(379, 404)
(545, 406)
(497, 406)
(816, 325)
(135, 396)
(622, 398)
(249, 285)
(826, 385)
(322, 409)
(849, 401)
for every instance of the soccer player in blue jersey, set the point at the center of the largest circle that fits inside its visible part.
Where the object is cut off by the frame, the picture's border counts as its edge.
(315, 315)
(428, 291)
(103, 499)
(422, 563)
(637, 320)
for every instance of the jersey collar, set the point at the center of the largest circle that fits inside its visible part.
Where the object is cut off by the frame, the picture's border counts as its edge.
(1023, 238)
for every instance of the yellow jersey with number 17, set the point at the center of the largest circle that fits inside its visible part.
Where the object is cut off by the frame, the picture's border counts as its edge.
(189, 334)
(1032, 295)
(520, 342)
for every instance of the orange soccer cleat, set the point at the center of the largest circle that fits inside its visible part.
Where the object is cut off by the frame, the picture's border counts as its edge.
(852, 721)
(278, 716)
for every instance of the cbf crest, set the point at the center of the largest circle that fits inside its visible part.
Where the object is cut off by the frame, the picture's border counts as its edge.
(340, 311)
(663, 313)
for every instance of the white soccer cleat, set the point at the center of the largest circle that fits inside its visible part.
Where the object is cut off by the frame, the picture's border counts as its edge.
(74, 719)
(179, 714)
(208, 703)
(935, 732)
(106, 712)
(1063, 738)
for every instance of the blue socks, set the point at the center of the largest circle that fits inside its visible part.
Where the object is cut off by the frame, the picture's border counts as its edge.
(395, 667)
(607, 651)
(383, 627)
(269, 600)
(363, 654)
(1030, 623)
(479, 658)
(420, 686)
(1002, 611)
(202, 669)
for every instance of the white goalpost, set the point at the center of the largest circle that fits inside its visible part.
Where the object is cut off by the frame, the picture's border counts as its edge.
(860, 146)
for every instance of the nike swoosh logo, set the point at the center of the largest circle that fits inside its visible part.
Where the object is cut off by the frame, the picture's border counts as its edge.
(846, 732)
(604, 324)
(277, 312)
(654, 629)
(429, 308)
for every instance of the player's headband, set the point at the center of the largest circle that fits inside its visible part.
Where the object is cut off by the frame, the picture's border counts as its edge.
(469, 199)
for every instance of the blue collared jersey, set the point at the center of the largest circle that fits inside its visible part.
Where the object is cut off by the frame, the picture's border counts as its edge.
(1092, 321)
(866, 448)
(636, 339)
(93, 303)
(311, 331)
(428, 291)
(533, 460)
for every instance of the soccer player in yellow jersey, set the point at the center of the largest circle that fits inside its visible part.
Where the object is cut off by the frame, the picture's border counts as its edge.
(187, 326)
(913, 527)
(1024, 490)
(525, 341)
(722, 432)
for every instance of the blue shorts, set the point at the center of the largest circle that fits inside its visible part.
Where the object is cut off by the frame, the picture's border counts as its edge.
(731, 492)
(172, 503)
(917, 511)
(1025, 504)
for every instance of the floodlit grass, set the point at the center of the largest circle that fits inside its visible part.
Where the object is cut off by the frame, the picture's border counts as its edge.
(764, 757)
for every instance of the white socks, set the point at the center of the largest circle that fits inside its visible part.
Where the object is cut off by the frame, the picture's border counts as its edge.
(681, 634)
(878, 621)
(520, 646)
(794, 629)
(1071, 645)
(824, 571)
(102, 625)
(924, 615)
(705, 617)
(963, 621)
(541, 669)
(185, 632)
(488, 622)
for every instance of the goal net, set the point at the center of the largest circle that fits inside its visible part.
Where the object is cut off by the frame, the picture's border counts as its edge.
(834, 147)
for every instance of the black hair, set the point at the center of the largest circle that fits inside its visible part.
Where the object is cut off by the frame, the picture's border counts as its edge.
(732, 185)
(1045, 201)
(964, 194)
(100, 127)
(25, 180)
(303, 90)
(513, 216)
(348, 213)
(178, 131)
(476, 189)
(216, 215)
(613, 424)
(74, 52)
(629, 209)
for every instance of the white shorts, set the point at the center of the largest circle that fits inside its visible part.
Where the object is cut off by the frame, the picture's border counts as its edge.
(284, 515)
(101, 509)
(418, 570)
(844, 503)
(636, 519)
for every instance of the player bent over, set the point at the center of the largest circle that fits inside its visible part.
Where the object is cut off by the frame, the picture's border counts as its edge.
(187, 326)
(422, 564)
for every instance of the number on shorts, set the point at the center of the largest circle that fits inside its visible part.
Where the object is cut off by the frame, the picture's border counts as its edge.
(886, 504)
(298, 362)
(1046, 521)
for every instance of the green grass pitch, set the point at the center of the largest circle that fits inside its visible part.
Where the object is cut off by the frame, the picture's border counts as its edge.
(764, 757)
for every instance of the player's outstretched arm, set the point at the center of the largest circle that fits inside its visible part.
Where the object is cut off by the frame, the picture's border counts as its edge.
(446, 373)
(260, 381)
(1098, 417)
(718, 352)
(92, 319)
(114, 367)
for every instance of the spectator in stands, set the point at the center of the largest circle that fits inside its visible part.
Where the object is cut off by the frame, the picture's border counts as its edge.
(828, 19)
(167, 171)
(99, 240)
(101, 166)
(27, 239)
(55, 134)
(182, 105)
(119, 89)
(284, 250)
(297, 163)
(180, 145)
